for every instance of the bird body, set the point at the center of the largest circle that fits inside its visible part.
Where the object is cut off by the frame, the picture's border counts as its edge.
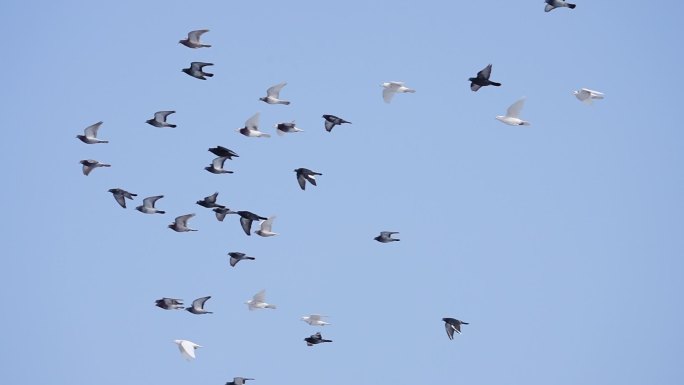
(331, 121)
(512, 116)
(258, 301)
(482, 79)
(553, 4)
(121, 195)
(193, 39)
(187, 348)
(196, 70)
(386, 237)
(314, 320)
(391, 88)
(180, 224)
(90, 134)
(159, 119)
(453, 325)
(236, 257)
(304, 175)
(587, 96)
(273, 95)
(169, 303)
(265, 230)
(315, 339)
(148, 205)
(91, 164)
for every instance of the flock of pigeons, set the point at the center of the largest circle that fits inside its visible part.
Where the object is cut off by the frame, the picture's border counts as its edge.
(303, 175)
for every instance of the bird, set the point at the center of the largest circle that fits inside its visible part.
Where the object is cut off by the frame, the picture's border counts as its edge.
(91, 164)
(180, 224)
(159, 119)
(236, 257)
(193, 40)
(282, 128)
(258, 302)
(187, 348)
(246, 219)
(251, 128)
(512, 117)
(331, 121)
(210, 202)
(482, 79)
(453, 325)
(120, 195)
(216, 166)
(90, 134)
(587, 96)
(222, 151)
(238, 381)
(315, 339)
(273, 95)
(265, 230)
(198, 306)
(148, 205)
(221, 213)
(386, 237)
(196, 70)
(304, 174)
(314, 320)
(553, 4)
(391, 88)
(169, 303)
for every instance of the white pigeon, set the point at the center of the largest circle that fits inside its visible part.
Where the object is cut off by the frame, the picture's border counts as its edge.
(193, 40)
(187, 348)
(391, 88)
(251, 128)
(273, 95)
(512, 116)
(265, 230)
(315, 320)
(587, 96)
(90, 134)
(258, 301)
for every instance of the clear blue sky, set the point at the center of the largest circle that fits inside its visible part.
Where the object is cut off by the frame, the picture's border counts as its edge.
(561, 243)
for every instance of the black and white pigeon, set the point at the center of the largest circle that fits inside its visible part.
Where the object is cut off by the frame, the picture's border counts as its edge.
(331, 121)
(159, 119)
(169, 303)
(216, 166)
(251, 128)
(553, 4)
(198, 306)
(90, 134)
(196, 70)
(238, 381)
(210, 202)
(273, 95)
(121, 195)
(193, 40)
(315, 339)
(148, 205)
(236, 256)
(304, 174)
(91, 164)
(180, 224)
(482, 79)
(246, 219)
(453, 325)
(282, 128)
(221, 213)
(222, 151)
(386, 237)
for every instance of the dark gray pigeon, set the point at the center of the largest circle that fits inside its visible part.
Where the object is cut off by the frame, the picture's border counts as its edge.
(148, 205)
(315, 339)
(453, 325)
(196, 70)
(90, 134)
(91, 164)
(331, 121)
(169, 303)
(222, 151)
(180, 224)
(210, 201)
(482, 79)
(159, 119)
(216, 166)
(246, 219)
(238, 381)
(304, 174)
(198, 306)
(193, 40)
(221, 213)
(553, 4)
(386, 237)
(236, 257)
(120, 195)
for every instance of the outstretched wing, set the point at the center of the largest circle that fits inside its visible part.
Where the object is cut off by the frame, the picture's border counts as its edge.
(515, 108)
(183, 220)
(194, 36)
(485, 72)
(253, 122)
(150, 201)
(160, 116)
(217, 163)
(274, 91)
(91, 131)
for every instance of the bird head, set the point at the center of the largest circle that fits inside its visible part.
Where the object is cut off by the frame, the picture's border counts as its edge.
(263, 99)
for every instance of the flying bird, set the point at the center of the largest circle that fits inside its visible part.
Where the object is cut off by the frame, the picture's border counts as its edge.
(282, 128)
(221, 213)
(386, 237)
(304, 174)
(210, 201)
(159, 119)
(258, 301)
(238, 381)
(331, 121)
(187, 348)
(148, 205)
(273, 95)
(553, 4)
(315, 339)
(251, 128)
(587, 96)
(91, 164)
(193, 40)
(222, 151)
(121, 195)
(314, 320)
(391, 88)
(180, 224)
(236, 257)
(482, 79)
(90, 134)
(196, 70)
(169, 303)
(216, 166)
(246, 219)
(265, 230)
(453, 325)
(198, 306)
(512, 116)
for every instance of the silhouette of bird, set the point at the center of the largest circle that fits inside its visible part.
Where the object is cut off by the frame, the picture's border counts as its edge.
(273, 95)
(331, 121)
(386, 236)
(148, 205)
(482, 79)
(246, 219)
(222, 151)
(193, 39)
(121, 195)
(236, 257)
(159, 119)
(196, 70)
(169, 303)
(90, 134)
(553, 4)
(180, 224)
(304, 174)
(210, 201)
(198, 306)
(453, 325)
(91, 164)
(315, 339)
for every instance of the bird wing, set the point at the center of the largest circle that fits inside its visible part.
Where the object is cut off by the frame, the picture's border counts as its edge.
(160, 116)
(301, 180)
(274, 91)
(211, 198)
(474, 86)
(233, 261)
(591, 92)
(314, 317)
(253, 122)
(548, 7)
(387, 233)
(91, 131)
(260, 296)
(267, 224)
(187, 348)
(217, 163)
(199, 302)
(449, 330)
(198, 65)
(485, 72)
(246, 224)
(515, 108)
(329, 125)
(388, 93)
(194, 36)
(120, 199)
(183, 220)
(150, 201)
(220, 215)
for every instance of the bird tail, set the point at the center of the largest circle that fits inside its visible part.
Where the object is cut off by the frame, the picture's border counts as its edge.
(161, 212)
(571, 6)
(270, 306)
(208, 75)
(104, 141)
(411, 90)
(252, 258)
(326, 340)
(465, 323)
(286, 103)
(106, 165)
(265, 135)
(495, 84)
(524, 123)
(172, 125)
(206, 45)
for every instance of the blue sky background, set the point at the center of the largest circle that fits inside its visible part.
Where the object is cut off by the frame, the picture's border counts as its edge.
(561, 243)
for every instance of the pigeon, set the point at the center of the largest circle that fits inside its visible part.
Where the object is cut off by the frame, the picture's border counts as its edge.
(193, 40)
(553, 4)
(148, 205)
(246, 219)
(482, 79)
(221, 213)
(331, 121)
(187, 348)
(273, 95)
(90, 134)
(236, 257)
(265, 230)
(196, 70)
(282, 128)
(90, 164)
(238, 381)
(391, 88)
(257, 302)
(210, 202)
(222, 151)
(315, 320)
(453, 325)
(121, 195)
(198, 306)
(304, 174)
(251, 128)
(169, 303)
(180, 224)
(216, 166)
(159, 119)
(587, 96)
(512, 116)
(315, 339)
(386, 237)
